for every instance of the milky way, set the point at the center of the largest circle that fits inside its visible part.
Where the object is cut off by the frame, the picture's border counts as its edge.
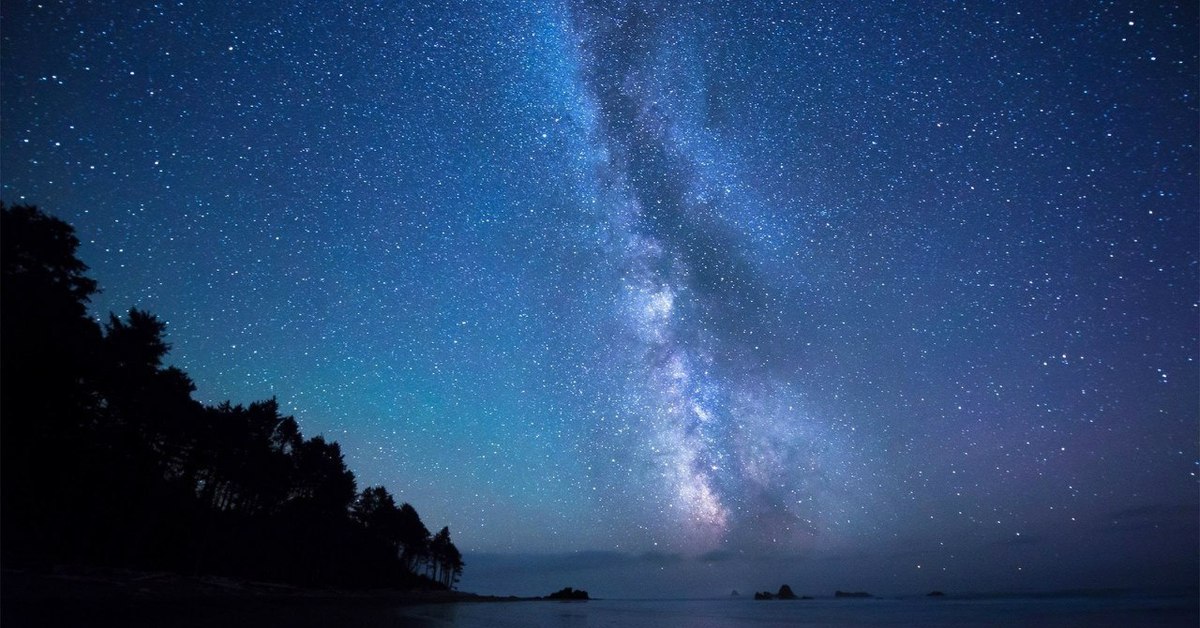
(727, 440)
(668, 289)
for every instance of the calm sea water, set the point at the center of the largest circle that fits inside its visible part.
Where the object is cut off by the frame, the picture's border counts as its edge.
(1122, 612)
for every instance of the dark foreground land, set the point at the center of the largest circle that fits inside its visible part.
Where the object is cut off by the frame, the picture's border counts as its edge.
(106, 597)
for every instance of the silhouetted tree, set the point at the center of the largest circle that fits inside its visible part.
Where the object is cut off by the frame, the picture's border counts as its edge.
(322, 479)
(376, 509)
(445, 560)
(413, 536)
(454, 565)
(136, 347)
(48, 349)
(106, 458)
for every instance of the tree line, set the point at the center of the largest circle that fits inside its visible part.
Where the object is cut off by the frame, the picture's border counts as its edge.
(106, 459)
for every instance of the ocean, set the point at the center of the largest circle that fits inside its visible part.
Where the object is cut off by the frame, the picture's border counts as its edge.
(731, 613)
(335, 612)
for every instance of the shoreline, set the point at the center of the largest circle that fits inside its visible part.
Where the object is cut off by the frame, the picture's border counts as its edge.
(94, 596)
(84, 582)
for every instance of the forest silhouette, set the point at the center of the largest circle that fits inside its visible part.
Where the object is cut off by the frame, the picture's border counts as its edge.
(105, 458)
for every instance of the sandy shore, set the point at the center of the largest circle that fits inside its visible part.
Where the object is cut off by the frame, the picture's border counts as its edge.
(111, 597)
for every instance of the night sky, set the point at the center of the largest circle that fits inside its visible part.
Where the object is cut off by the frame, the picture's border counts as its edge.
(668, 299)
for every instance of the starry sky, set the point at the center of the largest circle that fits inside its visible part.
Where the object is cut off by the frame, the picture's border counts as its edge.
(668, 298)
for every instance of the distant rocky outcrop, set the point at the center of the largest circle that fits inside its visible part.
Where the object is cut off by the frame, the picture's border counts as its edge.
(851, 594)
(568, 594)
(785, 593)
(735, 594)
